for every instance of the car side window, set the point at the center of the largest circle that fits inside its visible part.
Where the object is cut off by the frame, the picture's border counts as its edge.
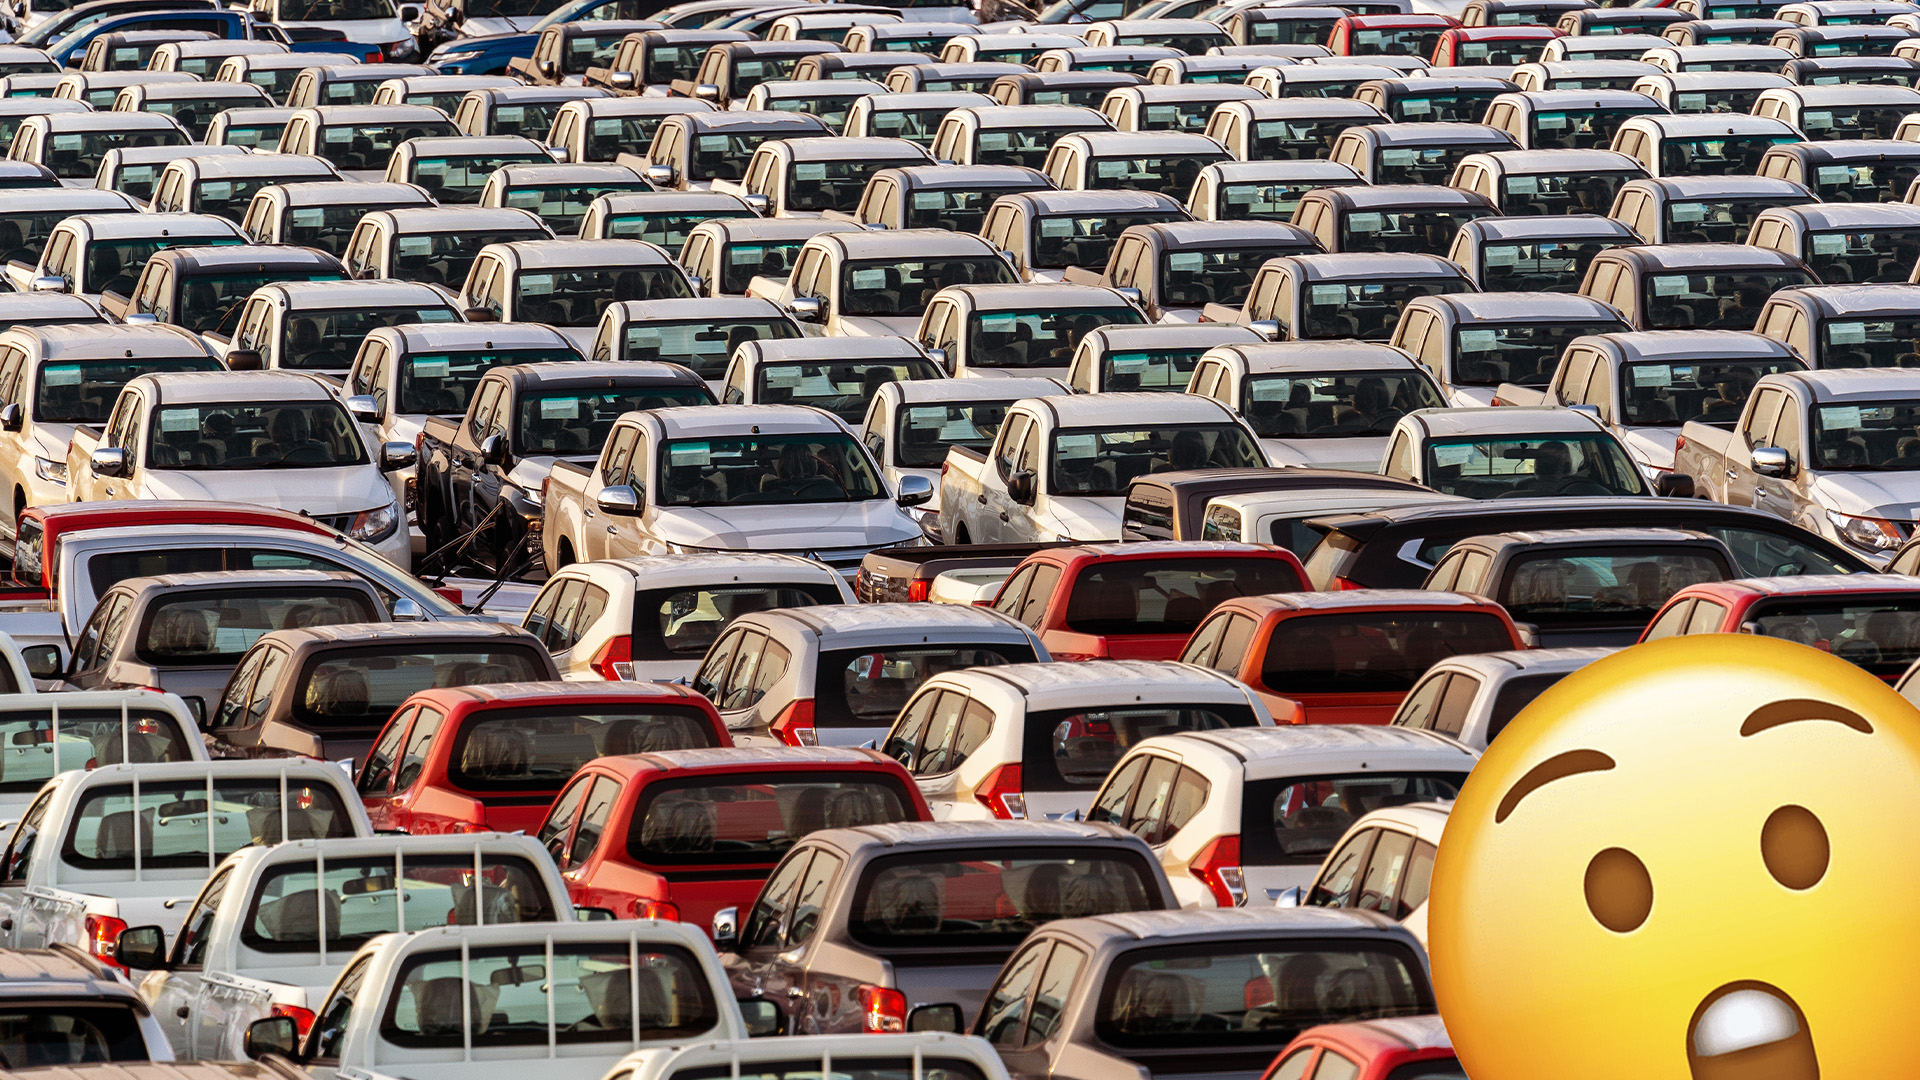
(1003, 1017)
(1384, 870)
(1033, 606)
(762, 928)
(376, 775)
(1451, 716)
(1335, 1067)
(19, 855)
(559, 823)
(1707, 617)
(1758, 428)
(190, 948)
(264, 686)
(1295, 1066)
(330, 1029)
(1342, 872)
(1417, 881)
(810, 899)
(942, 723)
(713, 670)
(1110, 805)
(593, 820)
(1205, 641)
(1234, 642)
(1010, 438)
(1050, 998)
(1008, 601)
(1417, 710)
(419, 743)
(1671, 621)
(233, 702)
(1147, 817)
(555, 636)
(86, 650)
(737, 691)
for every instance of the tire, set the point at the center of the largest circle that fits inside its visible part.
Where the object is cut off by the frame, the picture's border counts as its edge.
(563, 556)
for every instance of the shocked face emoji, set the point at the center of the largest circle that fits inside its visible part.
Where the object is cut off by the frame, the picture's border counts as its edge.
(1697, 859)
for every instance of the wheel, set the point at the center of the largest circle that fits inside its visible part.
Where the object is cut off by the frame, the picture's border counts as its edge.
(563, 556)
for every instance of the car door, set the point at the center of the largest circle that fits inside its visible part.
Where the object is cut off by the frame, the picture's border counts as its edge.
(1788, 496)
(758, 966)
(207, 1014)
(97, 641)
(1756, 430)
(375, 782)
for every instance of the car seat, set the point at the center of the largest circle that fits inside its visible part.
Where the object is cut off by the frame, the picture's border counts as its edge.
(116, 836)
(339, 692)
(296, 917)
(439, 1011)
(1155, 1003)
(910, 905)
(678, 827)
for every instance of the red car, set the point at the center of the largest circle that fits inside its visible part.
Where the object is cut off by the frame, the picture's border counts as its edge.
(1872, 620)
(681, 835)
(1474, 45)
(1388, 35)
(1408, 1048)
(492, 758)
(1137, 601)
(41, 527)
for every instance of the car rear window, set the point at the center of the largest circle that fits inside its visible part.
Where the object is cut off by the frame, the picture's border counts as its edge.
(362, 687)
(1295, 821)
(1617, 586)
(537, 749)
(356, 899)
(868, 687)
(680, 624)
(1517, 694)
(35, 744)
(1879, 633)
(954, 899)
(1373, 652)
(203, 628)
(173, 823)
(1075, 749)
(64, 1034)
(730, 818)
(1168, 596)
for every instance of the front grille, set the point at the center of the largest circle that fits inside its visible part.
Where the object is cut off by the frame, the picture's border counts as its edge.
(336, 522)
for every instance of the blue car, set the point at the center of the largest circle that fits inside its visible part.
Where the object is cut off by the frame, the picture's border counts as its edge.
(489, 54)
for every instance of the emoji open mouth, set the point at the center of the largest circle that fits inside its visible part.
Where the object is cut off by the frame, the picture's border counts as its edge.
(1750, 1031)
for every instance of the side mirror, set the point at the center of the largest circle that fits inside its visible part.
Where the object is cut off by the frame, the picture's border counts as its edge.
(658, 175)
(243, 360)
(560, 154)
(397, 455)
(43, 661)
(934, 1018)
(108, 461)
(363, 408)
(1266, 328)
(1293, 897)
(763, 1018)
(12, 416)
(758, 203)
(624, 80)
(915, 491)
(1674, 485)
(480, 314)
(621, 500)
(547, 68)
(594, 914)
(698, 284)
(409, 13)
(1020, 487)
(1772, 461)
(807, 308)
(406, 610)
(1592, 412)
(939, 356)
(139, 318)
(726, 928)
(494, 451)
(1132, 294)
(707, 91)
(143, 947)
(50, 283)
(276, 1035)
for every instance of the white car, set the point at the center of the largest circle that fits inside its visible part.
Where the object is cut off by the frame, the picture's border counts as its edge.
(1280, 517)
(1036, 740)
(818, 1055)
(91, 728)
(1240, 816)
(1472, 698)
(1383, 864)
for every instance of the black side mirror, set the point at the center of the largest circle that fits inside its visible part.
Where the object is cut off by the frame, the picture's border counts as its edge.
(243, 360)
(763, 1018)
(1674, 485)
(934, 1018)
(43, 661)
(1020, 487)
(276, 1035)
(493, 451)
(143, 947)
(12, 416)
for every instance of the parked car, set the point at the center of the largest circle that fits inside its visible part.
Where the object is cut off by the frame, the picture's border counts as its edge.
(909, 427)
(1282, 517)
(90, 254)
(323, 214)
(1475, 343)
(1534, 254)
(1473, 698)
(1161, 358)
(1355, 294)
(1384, 863)
(1512, 453)
(1866, 620)
(65, 990)
(1704, 209)
(839, 376)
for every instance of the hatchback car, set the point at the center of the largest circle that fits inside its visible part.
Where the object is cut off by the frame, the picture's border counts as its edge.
(1473, 698)
(1868, 620)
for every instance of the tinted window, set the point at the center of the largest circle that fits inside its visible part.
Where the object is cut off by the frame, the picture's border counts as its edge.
(202, 629)
(682, 623)
(1515, 695)
(361, 897)
(844, 389)
(1310, 405)
(726, 819)
(72, 1034)
(1709, 391)
(1086, 462)
(875, 683)
(1376, 652)
(33, 747)
(739, 470)
(83, 391)
(704, 346)
(1520, 466)
(1167, 596)
(848, 1067)
(1087, 745)
(1876, 633)
(1623, 586)
(362, 687)
(1295, 822)
(928, 431)
(442, 384)
(952, 900)
(537, 749)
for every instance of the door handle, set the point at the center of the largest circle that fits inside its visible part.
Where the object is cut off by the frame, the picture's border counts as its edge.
(6, 924)
(1759, 493)
(1004, 517)
(613, 530)
(182, 1012)
(586, 511)
(981, 498)
(1732, 474)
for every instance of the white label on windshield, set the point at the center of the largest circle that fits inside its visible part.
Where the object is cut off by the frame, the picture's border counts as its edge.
(1158, 114)
(1687, 211)
(783, 377)
(1547, 121)
(713, 142)
(1416, 107)
(339, 135)
(1239, 196)
(1669, 286)
(929, 200)
(1653, 374)
(1081, 446)
(512, 113)
(432, 369)
(1523, 185)
(309, 216)
(803, 170)
(740, 256)
(1000, 324)
(1367, 37)
(1479, 340)
(66, 142)
(1846, 333)
(1367, 222)
(179, 419)
(1502, 256)
(1110, 168)
(1329, 294)
(923, 421)
(216, 189)
(1693, 103)
(698, 453)
(559, 408)
(1396, 157)
(1133, 366)
(430, 168)
(1056, 227)
(994, 140)
(1452, 455)
(1473, 48)
(1835, 416)
(1186, 261)
(61, 376)
(869, 279)
(1816, 121)
(414, 245)
(1829, 245)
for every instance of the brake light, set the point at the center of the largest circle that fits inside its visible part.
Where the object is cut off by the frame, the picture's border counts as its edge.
(919, 590)
(1004, 794)
(420, 453)
(884, 1011)
(1679, 443)
(614, 661)
(1218, 867)
(794, 725)
(1075, 656)
(468, 827)
(663, 910)
(1341, 584)
(451, 594)
(103, 934)
(943, 468)
(302, 1018)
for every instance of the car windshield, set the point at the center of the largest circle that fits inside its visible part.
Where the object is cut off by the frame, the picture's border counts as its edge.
(1879, 633)
(1541, 265)
(904, 287)
(1865, 257)
(725, 157)
(1104, 462)
(1717, 101)
(1085, 96)
(1297, 820)
(562, 206)
(202, 629)
(114, 265)
(577, 297)
(576, 423)
(1465, 106)
(703, 346)
(360, 688)
(1295, 140)
(927, 431)
(447, 101)
(1522, 353)
(674, 624)
(754, 815)
(876, 682)
(1722, 221)
(741, 263)
(37, 743)
(1615, 586)
(1133, 597)
(1265, 202)
(1318, 405)
(830, 109)
(1693, 391)
(992, 900)
(333, 10)
(80, 1035)
(1166, 370)
(83, 391)
(1021, 146)
(665, 63)
(1215, 996)
(443, 258)
(952, 209)
(370, 146)
(75, 155)
(914, 125)
(1037, 339)
(208, 302)
(1854, 122)
(1882, 435)
(1182, 116)
(1373, 652)
(178, 826)
(1286, 31)
(585, 51)
(1724, 155)
(1426, 230)
(670, 231)
(742, 470)
(833, 185)
(1727, 300)
(1507, 51)
(611, 136)
(1368, 310)
(749, 73)
(538, 749)
(342, 89)
(843, 388)
(231, 436)
(1170, 176)
(1085, 240)
(1396, 41)
(276, 81)
(229, 198)
(459, 179)
(1584, 193)
(364, 897)
(534, 119)
(1531, 466)
(1864, 181)
(1583, 129)
(327, 338)
(1197, 278)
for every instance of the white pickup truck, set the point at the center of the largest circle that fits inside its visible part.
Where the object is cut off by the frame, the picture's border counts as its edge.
(782, 478)
(1060, 466)
(129, 845)
(43, 735)
(275, 925)
(859, 284)
(1834, 452)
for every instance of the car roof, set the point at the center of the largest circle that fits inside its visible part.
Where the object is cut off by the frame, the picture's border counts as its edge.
(1316, 356)
(398, 634)
(746, 760)
(1296, 749)
(1852, 149)
(1522, 306)
(724, 420)
(1852, 215)
(1105, 201)
(186, 387)
(1699, 187)
(710, 307)
(1569, 160)
(1245, 171)
(1500, 665)
(781, 350)
(348, 193)
(513, 694)
(1063, 684)
(1570, 226)
(60, 970)
(997, 391)
(1157, 927)
(461, 218)
(1028, 296)
(308, 295)
(1858, 384)
(1167, 336)
(1506, 420)
(1582, 538)
(1636, 345)
(574, 252)
(856, 243)
(946, 835)
(329, 115)
(123, 226)
(61, 341)
(1372, 264)
(1705, 256)
(218, 167)
(722, 564)
(828, 621)
(1843, 300)
(1100, 410)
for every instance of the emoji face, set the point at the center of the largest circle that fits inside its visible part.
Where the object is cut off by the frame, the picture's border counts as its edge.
(1693, 860)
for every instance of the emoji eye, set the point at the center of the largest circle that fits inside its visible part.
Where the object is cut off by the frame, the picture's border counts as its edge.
(1619, 890)
(1794, 845)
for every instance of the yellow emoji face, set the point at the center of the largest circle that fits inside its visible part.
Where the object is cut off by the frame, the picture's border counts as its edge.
(1697, 859)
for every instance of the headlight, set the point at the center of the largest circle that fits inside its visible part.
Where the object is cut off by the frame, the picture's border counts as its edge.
(441, 58)
(373, 526)
(50, 470)
(1873, 534)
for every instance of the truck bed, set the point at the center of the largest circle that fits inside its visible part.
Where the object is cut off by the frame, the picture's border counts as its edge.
(887, 576)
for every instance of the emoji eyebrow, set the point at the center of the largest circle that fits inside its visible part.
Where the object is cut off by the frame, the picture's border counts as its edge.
(1795, 710)
(1558, 767)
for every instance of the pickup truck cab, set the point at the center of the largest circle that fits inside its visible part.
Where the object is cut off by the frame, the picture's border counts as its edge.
(118, 862)
(1857, 242)
(1132, 59)
(89, 254)
(691, 150)
(1282, 516)
(910, 425)
(1179, 107)
(1358, 295)
(805, 177)
(1059, 467)
(1028, 331)
(864, 283)
(1473, 698)
(202, 57)
(360, 140)
(566, 51)
(1286, 129)
(275, 72)
(132, 170)
(1702, 209)
(665, 218)
(914, 117)
(1696, 144)
(1414, 217)
(1848, 170)
(322, 214)
(275, 925)
(443, 91)
(1471, 343)
(1167, 162)
(1547, 182)
(729, 71)
(1087, 89)
(835, 376)
(1719, 92)
(453, 168)
(566, 284)
(1692, 286)
(952, 197)
(1843, 326)
(1864, 619)
(602, 129)
(1534, 254)
(199, 435)
(1161, 358)
(734, 477)
(1261, 190)
(516, 110)
(316, 325)
(701, 334)
(1173, 270)
(72, 144)
(432, 245)
(345, 84)
(826, 99)
(557, 194)
(1511, 453)
(1848, 111)
(1840, 40)
(100, 88)
(648, 61)
(43, 309)
(1726, 30)
(201, 289)
(1010, 134)
(193, 105)
(744, 255)
(1800, 446)
(33, 213)
(1568, 119)
(224, 185)
(944, 76)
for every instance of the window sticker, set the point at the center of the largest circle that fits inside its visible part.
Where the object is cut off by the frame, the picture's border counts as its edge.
(179, 419)
(784, 377)
(1693, 103)
(993, 140)
(1056, 227)
(1834, 174)
(1479, 340)
(809, 170)
(338, 135)
(1653, 374)
(1416, 107)
(929, 200)
(432, 369)
(1448, 456)
(1834, 416)
(1846, 333)
(1396, 157)
(1186, 262)
(511, 114)
(307, 217)
(60, 376)
(1670, 286)
(1238, 196)
(710, 143)
(1548, 121)
(1329, 294)
(685, 453)
(869, 279)
(1501, 256)
(1371, 221)
(559, 408)
(1523, 185)
(216, 189)
(1687, 212)
(1829, 245)
(1069, 447)
(1110, 168)
(414, 245)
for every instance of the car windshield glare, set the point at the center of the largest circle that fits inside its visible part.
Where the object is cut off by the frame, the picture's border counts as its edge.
(927, 431)
(1878, 633)
(1522, 353)
(357, 899)
(1532, 466)
(741, 470)
(1368, 310)
(35, 744)
(1727, 300)
(705, 346)
(1373, 652)
(441, 384)
(577, 297)
(1104, 462)
(900, 287)
(741, 818)
(361, 688)
(1086, 239)
(537, 749)
(1297, 821)
(843, 389)
(1882, 435)
(1314, 405)
(1038, 339)
(173, 821)
(1618, 586)
(83, 391)
(1704, 391)
(948, 900)
(576, 423)
(201, 629)
(233, 436)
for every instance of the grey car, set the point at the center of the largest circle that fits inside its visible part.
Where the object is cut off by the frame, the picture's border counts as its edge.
(185, 632)
(858, 926)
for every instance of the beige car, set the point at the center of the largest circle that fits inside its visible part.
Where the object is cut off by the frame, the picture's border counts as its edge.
(1394, 848)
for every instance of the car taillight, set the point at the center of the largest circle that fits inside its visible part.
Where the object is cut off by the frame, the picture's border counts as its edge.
(884, 1011)
(468, 827)
(1341, 584)
(794, 725)
(1076, 656)
(919, 590)
(103, 933)
(1004, 794)
(452, 594)
(1218, 867)
(614, 661)
(663, 910)
(1679, 443)
(302, 1018)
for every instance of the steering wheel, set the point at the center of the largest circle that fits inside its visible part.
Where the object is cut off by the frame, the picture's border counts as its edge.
(1580, 485)
(817, 487)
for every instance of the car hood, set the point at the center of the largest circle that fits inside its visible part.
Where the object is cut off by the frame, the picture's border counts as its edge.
(1358, 453)
(496, 26)
(318, 491)
(360, 31)
(1893, 495)
(1471, 397)
(1652, 445)
(1084, 517)
(784, 526)
(50, 440)
(873, 326)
